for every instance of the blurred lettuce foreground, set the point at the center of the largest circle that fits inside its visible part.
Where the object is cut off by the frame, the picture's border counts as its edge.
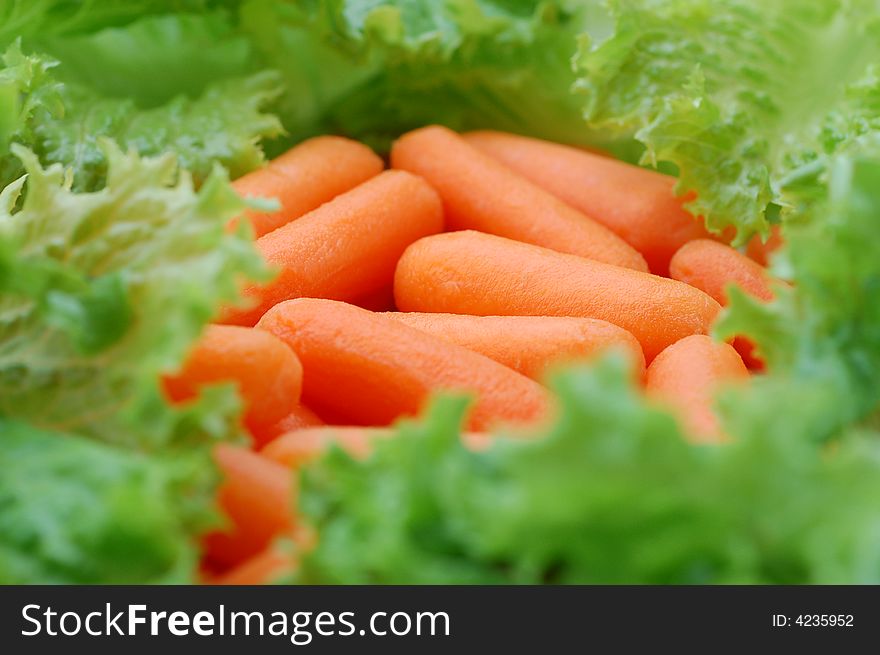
(123, 115)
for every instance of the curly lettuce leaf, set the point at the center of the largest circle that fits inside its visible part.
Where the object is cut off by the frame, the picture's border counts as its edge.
(63, 122)
(376, 69)
(610, 494)
(26, 88)
(75, 511)
(748, 99)
(101, 292)
(367, 69)
(824, 333)
(224, 125)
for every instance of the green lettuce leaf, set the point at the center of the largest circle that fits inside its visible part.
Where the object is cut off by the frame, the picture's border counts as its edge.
(375, 69)
(748, 99)
(56, 18)
(822, 335)
(77, 511)
(64, 122)
(610, 494)
(101, 292)
(224, 125)
(26, 88)
(371, 70)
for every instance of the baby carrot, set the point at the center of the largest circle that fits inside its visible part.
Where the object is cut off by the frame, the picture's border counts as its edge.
(472, 273)
(760, 250)
(687, 375)
(303, 446)
(263, 568)
(711, 266)
(637, 204)
(371, 369)
(266, 371)
(348, 247)
(528, 344)
(299, 417)
(256, 495)
(479, 193)
(305, 177)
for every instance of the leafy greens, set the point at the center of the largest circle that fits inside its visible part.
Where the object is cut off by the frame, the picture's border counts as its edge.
(748, 99)
(87, 280)
(76, 511)
(101, 293)
(113, 256)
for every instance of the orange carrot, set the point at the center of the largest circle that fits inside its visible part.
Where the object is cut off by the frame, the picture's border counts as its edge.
(637, 204)
(760, 250)
(300, 447)
(528, 344)
(372, 369)
(687, 375)
(257, 496)
(305, 177)
(472, 273)
(481, 194)
(266, 371)
(263, 568)
(299, 417)
(711, 266)
(348, 247)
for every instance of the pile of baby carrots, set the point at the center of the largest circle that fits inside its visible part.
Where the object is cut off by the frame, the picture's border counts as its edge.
(474, 264)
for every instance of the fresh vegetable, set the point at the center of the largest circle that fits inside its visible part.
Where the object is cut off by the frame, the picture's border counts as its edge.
(92, 313)
(473, 273)
(729, 93)
(637, 204)
(305, 177)
(375, 70)
(529, 344)
(266, 372)
(371, 369)
(369, 227)
(257, 496)
(111, 268)
(27, 86)
(76, 511)
(775, 505)
(688, 375)
(102, 292)
(65, 123)
(819, 337)
(640, 503)
(711, 267)
(478, 193)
